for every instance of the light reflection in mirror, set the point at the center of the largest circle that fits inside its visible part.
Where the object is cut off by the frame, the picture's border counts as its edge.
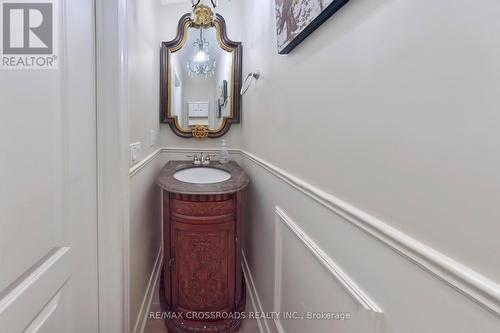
(201, 74)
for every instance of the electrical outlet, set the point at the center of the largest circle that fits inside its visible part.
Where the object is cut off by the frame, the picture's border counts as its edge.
(152, 138)
(135, 152)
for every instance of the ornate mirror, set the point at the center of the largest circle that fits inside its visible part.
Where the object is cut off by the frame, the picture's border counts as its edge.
(201, 77)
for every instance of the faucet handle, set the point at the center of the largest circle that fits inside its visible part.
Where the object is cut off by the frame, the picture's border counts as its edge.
(207, 158)
(195, 157)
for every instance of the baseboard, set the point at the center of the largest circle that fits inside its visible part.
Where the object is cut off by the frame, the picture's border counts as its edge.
(254, 295)
(142, 318)
(465, 280)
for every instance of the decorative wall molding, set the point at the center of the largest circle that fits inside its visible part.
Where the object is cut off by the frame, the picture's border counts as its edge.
(465, 280)
(27, 297)
(135, 169)
(479, 288)
(345, 281)
(44, 315)
(142, 318)
(196, 150)
(254, 295)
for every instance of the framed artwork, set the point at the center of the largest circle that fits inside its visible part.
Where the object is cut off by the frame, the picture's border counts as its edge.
(297, 19)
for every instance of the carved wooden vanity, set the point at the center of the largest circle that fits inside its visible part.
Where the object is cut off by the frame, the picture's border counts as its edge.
(202, 287)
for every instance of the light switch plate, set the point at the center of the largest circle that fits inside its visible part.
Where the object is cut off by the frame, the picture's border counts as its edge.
(135, 152)
(152, 138)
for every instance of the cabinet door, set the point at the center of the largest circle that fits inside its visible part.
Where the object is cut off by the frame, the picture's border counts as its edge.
(203, 274)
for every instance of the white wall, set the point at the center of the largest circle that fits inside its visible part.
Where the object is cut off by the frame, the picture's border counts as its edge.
(392, 107)
(403, 118)
(145, 238)
(144, 227)
(143, 72)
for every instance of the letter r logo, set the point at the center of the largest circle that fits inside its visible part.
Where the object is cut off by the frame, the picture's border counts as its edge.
(27, 28)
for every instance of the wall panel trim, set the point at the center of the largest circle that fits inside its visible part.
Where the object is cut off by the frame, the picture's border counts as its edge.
(465, 280)
(136, 168)
(154, 279)
(470, 283)
(28, 296)
(254, 295)
(345, 281)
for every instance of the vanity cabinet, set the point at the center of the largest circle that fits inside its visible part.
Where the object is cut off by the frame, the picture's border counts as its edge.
(203, 271)
(202, 284)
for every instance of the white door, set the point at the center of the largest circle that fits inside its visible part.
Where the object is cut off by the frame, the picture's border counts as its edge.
(48, 214)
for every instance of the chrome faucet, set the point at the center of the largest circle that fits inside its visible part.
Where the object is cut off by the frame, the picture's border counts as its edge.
(206, 159)
(201, 158)
(196, 159)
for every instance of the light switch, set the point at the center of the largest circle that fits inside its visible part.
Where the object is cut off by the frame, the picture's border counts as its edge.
(152, 138)
(135, 152)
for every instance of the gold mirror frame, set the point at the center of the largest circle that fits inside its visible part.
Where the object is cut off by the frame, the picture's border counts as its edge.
(204, 19)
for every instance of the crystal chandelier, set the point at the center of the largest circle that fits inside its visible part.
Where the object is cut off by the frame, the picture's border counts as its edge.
(202, 64)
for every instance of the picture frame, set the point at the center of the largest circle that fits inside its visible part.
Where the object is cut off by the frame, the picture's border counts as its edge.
(297, 19)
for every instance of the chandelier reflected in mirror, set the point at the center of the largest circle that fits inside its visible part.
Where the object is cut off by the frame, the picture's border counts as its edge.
(201, 75)
(202, 63)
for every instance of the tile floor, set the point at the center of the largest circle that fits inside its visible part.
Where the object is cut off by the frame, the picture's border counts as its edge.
(158, 326)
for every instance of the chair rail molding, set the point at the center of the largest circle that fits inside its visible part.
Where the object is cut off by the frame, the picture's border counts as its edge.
(136, 168)
(465, 280)
(345, 281)
(470, 283)
(22, 301)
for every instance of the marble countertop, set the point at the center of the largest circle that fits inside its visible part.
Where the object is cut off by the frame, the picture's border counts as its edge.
(238, 181)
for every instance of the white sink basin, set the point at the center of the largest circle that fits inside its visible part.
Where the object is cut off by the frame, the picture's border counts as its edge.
(202, 175)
